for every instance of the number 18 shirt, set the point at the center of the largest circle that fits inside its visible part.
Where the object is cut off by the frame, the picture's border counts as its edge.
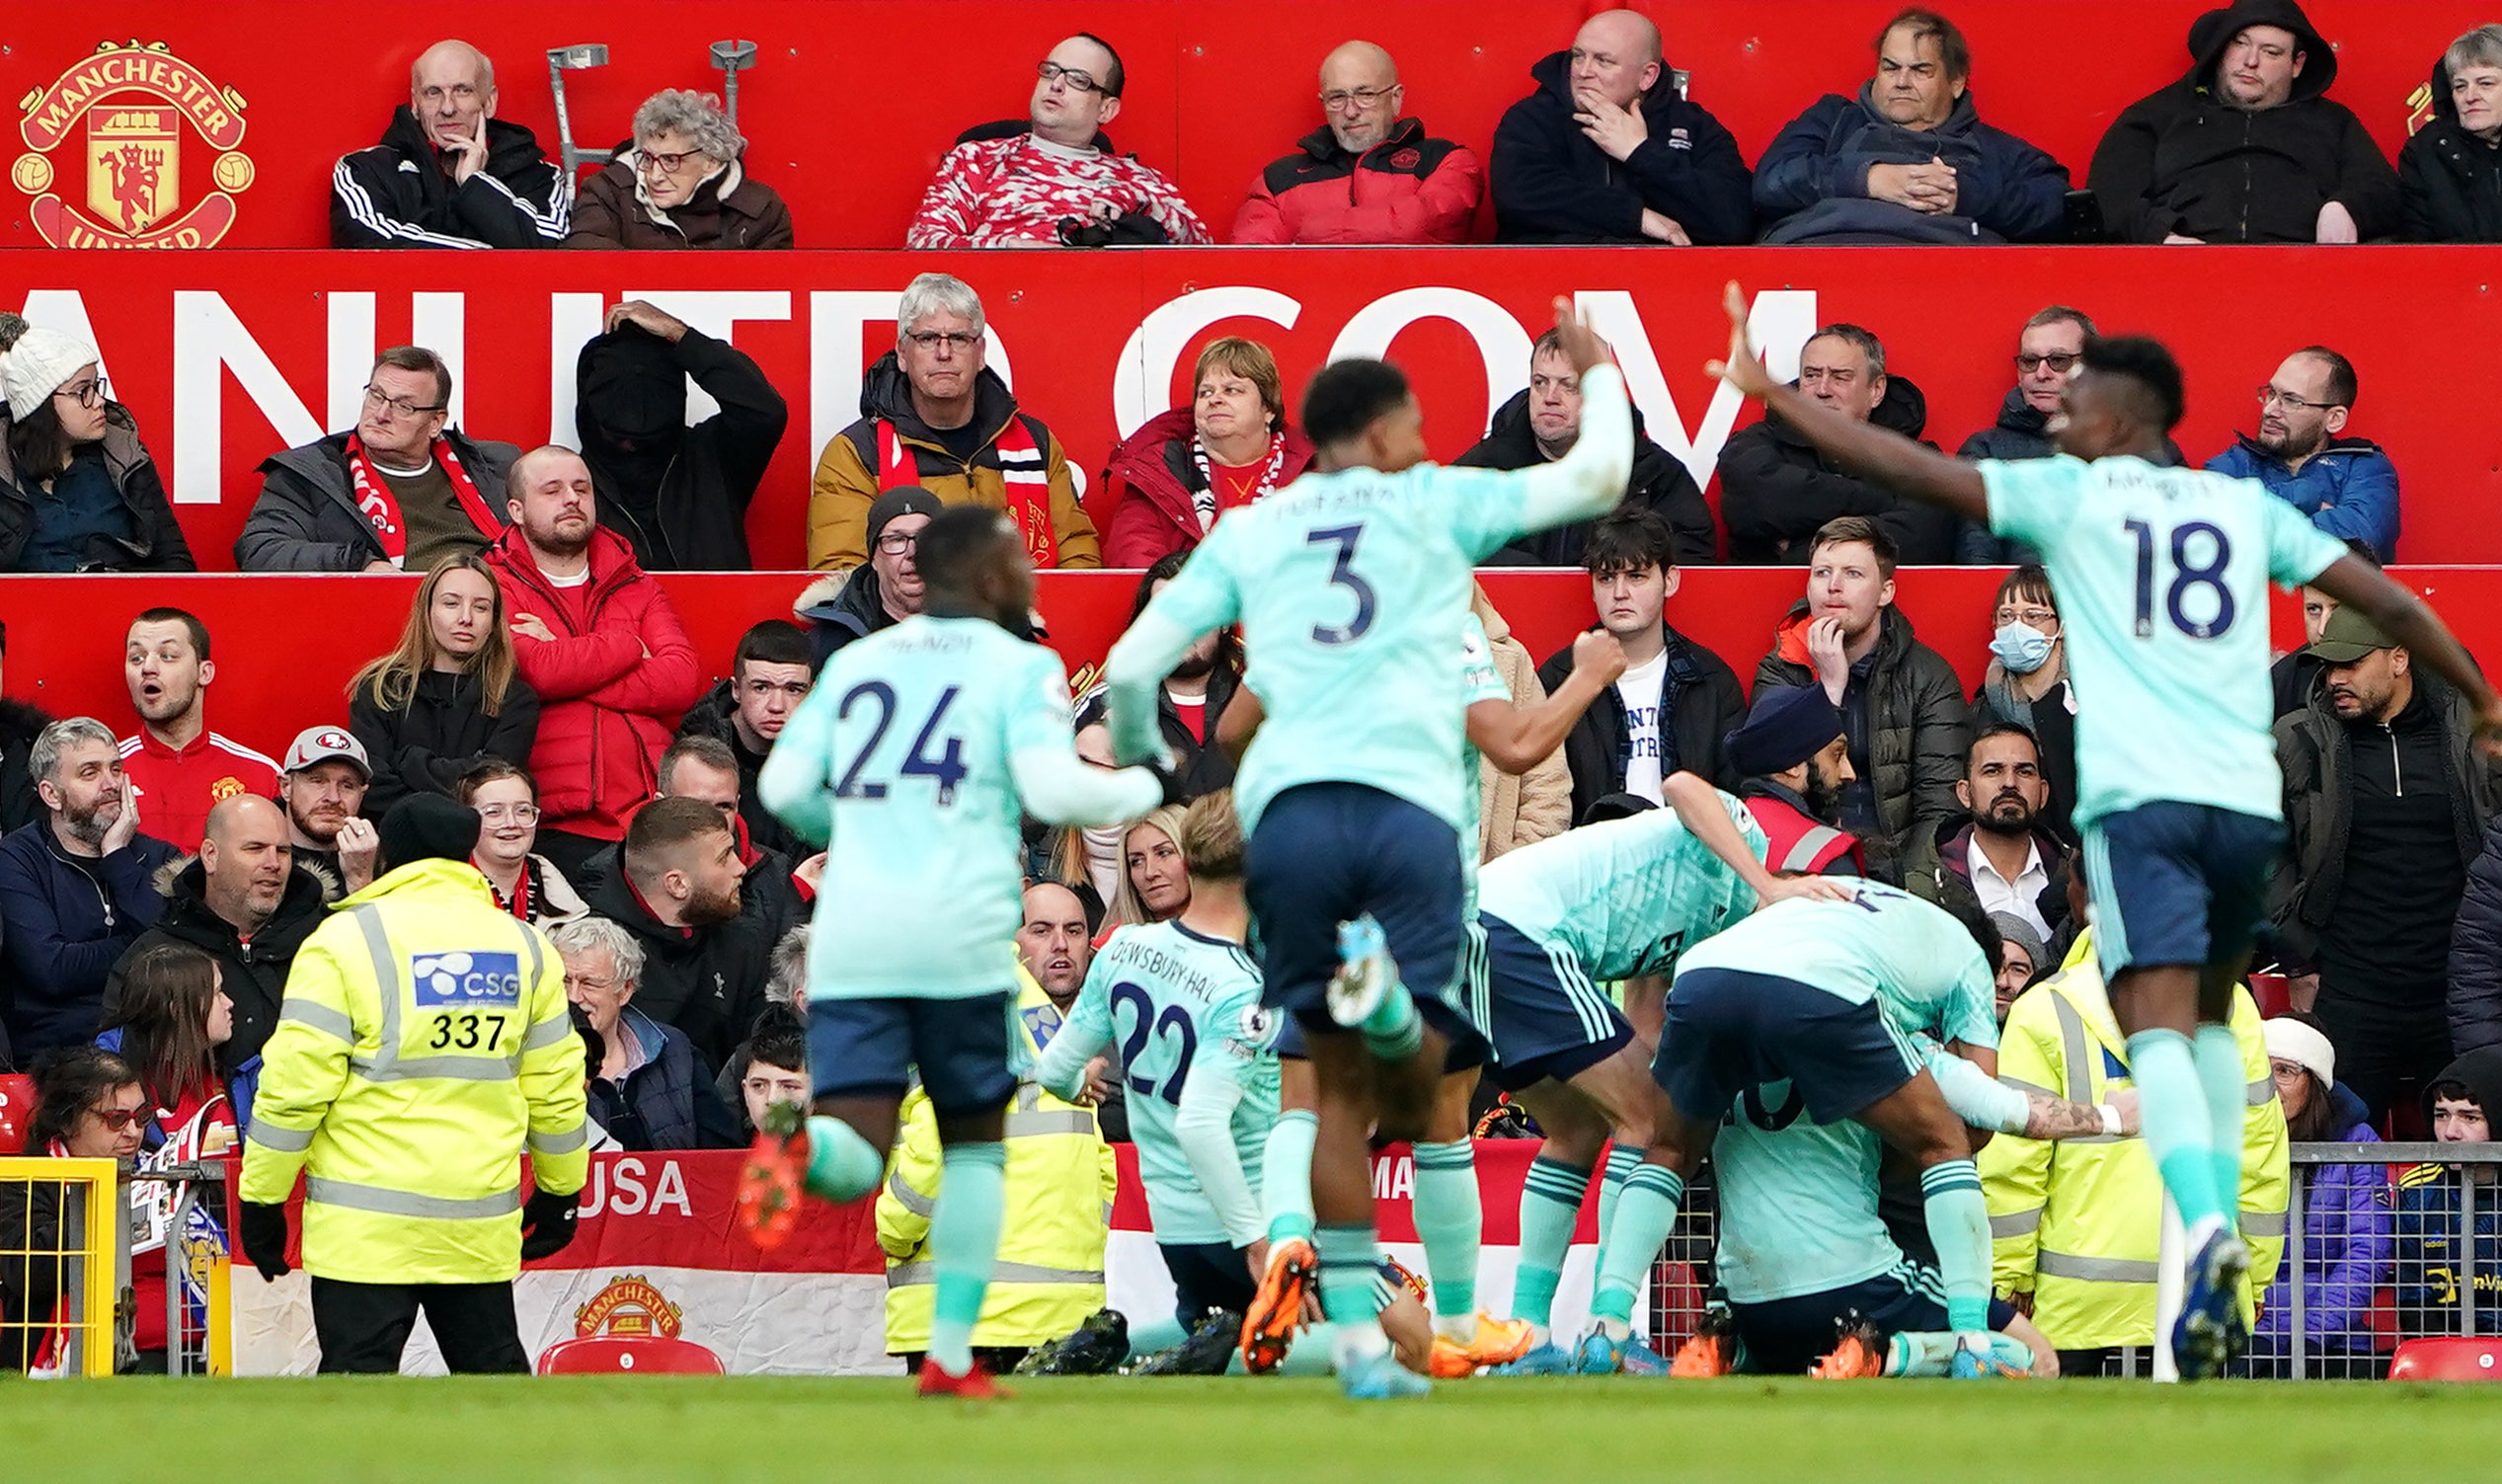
(2161, 577)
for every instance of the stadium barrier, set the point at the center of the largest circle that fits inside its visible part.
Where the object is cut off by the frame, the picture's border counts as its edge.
(657, 1254)
(84, 1261)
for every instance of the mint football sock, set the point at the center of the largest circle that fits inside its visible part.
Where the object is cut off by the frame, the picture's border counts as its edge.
(964, 1242)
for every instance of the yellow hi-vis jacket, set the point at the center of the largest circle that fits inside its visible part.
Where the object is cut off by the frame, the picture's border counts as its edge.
(2077, 1222)
(1061, 1180)
(423, 1042)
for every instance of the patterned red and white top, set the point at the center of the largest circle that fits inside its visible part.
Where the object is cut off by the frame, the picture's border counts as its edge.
(996, 190)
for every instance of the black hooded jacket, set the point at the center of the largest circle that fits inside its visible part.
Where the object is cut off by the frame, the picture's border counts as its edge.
(20, 724)
(1552, 185)
(1660, 484)
(2448, 181)
(708, 983)
(1703, 703)
(1776, 491)
(2022, 432)
(678, 495)
(2181, 160)
(715, 716)
(443, 731)
(255, 971)
(397, 194)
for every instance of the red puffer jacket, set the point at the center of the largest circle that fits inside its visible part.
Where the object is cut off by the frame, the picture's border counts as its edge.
(611, 687)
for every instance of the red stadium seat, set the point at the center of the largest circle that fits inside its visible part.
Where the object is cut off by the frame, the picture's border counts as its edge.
(2274, 994)
(2448, 1360)
(610, 1355)
(17, 1105)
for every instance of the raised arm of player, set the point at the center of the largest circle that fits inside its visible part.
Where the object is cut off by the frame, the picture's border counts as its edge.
(2411, 621)
(1699, 806)
(1901, 464)
(1516, 737)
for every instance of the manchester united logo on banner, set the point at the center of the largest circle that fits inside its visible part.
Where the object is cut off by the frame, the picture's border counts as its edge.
(128, 105)
(629, 1307)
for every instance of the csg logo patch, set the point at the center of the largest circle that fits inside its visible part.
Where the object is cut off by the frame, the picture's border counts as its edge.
(467, 981)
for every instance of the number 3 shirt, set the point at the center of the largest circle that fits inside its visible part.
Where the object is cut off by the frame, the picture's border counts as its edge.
(2163, 577)
(915, 757)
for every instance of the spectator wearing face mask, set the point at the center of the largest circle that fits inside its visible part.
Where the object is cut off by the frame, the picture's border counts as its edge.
(2026, 685)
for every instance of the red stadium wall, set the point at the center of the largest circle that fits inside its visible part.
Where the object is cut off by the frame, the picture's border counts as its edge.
(227, 356)
(285, 645)
(852, 101)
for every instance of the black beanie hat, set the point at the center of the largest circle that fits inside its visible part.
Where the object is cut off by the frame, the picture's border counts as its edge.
(428, 827)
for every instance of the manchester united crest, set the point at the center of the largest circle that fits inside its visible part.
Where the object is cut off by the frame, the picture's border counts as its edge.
(116, 123)
(630, 1308)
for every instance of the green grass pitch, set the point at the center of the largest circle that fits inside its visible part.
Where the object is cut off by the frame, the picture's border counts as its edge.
(655, 1430)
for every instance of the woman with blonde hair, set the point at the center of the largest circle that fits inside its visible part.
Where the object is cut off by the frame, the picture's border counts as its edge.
(1154, 884)
(449, 697)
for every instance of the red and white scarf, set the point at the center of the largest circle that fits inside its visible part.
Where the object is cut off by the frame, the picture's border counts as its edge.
(381, 510)
(1202, 500)
(1023, 470)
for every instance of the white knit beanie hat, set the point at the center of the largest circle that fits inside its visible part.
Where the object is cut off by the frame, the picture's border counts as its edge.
(35, 361)
(2303, 1047)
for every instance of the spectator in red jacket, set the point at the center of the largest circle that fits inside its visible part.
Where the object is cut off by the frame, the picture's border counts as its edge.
(1369, 175)
(1166, 484)
(601, 644)
(178, 767)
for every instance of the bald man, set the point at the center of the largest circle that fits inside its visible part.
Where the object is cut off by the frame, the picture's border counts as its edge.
(1369, 174)
(247, 903)
(1607, 150)
(448, 173)
(600, 643)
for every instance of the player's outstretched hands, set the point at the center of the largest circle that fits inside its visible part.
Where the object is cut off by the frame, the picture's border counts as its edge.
(1803, 888)
(1579, 343)
(1599, 653)
(1741, 371)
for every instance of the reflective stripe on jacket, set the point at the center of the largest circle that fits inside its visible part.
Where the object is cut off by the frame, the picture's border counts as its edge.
(2077, 1222)
(1061, 1179)
(423, 1045)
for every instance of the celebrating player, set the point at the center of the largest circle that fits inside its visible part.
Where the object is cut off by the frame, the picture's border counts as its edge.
(1350, 585)
(2163, 577)
(1614, 901)
(913, 759)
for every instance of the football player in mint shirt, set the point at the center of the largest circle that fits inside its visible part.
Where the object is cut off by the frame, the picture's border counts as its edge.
(1350, 585)
(914, 760)
(2163, 577)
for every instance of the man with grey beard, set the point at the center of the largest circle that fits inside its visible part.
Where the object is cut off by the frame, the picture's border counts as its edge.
(76, 887)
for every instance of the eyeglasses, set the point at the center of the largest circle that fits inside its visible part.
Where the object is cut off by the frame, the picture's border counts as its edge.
(896, 543)
(2037, 618)
(118, 1118)
(668, 164)
(518, 814)
(1072, 78)
(86, 393)
(2290, 402)
(1362, 98)
(957, 341)
(399, 407)
(2058, 360)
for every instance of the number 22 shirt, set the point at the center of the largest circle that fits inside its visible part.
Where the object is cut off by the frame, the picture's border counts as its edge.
(2163, 583)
